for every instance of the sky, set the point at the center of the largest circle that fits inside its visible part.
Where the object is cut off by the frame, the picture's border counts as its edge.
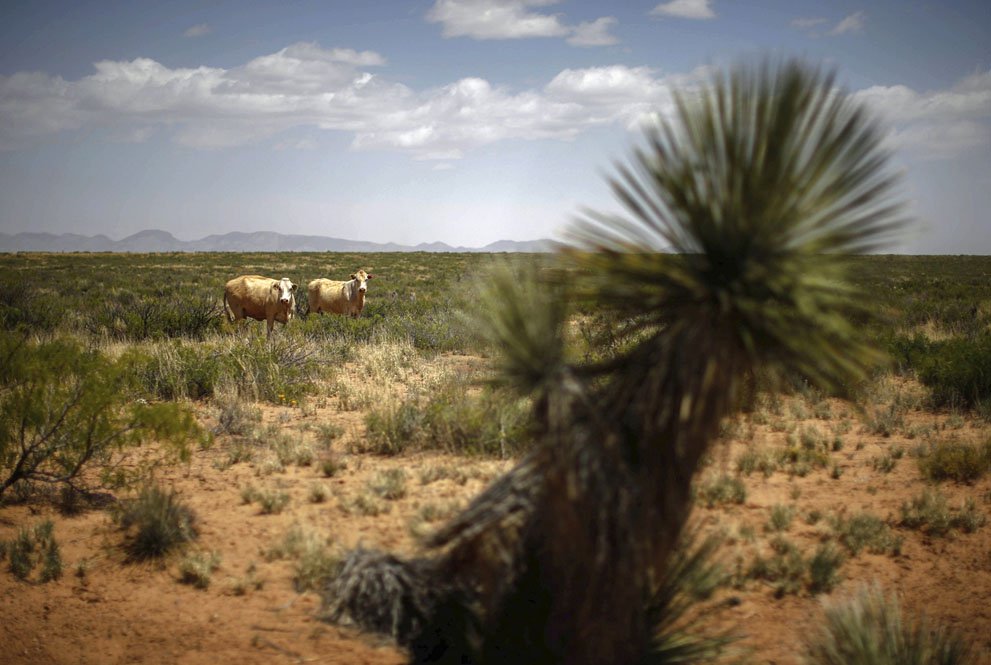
(459, 121)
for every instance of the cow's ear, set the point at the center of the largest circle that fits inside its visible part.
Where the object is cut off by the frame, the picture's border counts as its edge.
(275, 285)
(353, 276)
(293, 286)
(370, 276)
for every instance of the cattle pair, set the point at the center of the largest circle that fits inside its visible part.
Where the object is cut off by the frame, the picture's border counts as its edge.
(271, 300)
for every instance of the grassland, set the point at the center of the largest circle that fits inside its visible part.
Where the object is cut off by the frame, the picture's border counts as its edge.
(372, 431)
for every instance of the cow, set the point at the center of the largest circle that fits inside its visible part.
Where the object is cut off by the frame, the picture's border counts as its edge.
(260, 298)
(325, 295)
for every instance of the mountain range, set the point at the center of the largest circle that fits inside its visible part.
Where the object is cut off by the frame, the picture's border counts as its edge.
(260, 241)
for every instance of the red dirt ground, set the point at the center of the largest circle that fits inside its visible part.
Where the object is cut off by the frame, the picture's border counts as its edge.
(105, 610)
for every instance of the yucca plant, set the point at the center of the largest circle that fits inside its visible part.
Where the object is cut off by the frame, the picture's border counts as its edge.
(729, 264)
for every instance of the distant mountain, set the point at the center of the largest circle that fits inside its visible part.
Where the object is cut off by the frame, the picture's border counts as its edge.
(155, 240)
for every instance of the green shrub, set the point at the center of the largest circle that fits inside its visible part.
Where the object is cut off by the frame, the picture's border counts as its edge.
(869, 629)
(451, 418)
(65, 409)
(272, 502)
(824, 568)
(331, 465)
(389, 484)
(885, 463)
(196, 568)
(785, 569)
(954, 460)
(156, 523)
(958, 371)
(33, 547)
(318, 493)
(723, 489)
(314, 564)
(781, 516)
(866, 531)
(756, 459)
(235, 414)
(930, 511)
(21, 554)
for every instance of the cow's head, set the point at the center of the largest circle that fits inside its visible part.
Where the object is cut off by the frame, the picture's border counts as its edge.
(362, 278)
(285, 287)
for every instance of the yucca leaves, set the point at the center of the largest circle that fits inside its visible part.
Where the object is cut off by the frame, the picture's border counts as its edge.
(730, 262)
(758, 187)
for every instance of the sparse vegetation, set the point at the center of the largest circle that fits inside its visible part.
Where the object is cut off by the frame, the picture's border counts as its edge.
(155, 523)
(389, 484)
(929, 511)
(31, 548)
(722, 489)
(955, 460)
(865, 531)
(196, 568)
(869, 628)
(780, 518)
(65, 409)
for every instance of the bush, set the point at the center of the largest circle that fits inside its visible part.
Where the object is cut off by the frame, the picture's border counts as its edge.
(277, 370)
(785, 570)
(824, 567)
(196, 568)
(389, 484)
(450, 418)
(31, 548)
(781, 516)
(869, 629)
(314, 564)
(64, 409)
(724, 489)
(929, 511)
(954, 460)
(866, 531)
(958, 372)
(156, 523)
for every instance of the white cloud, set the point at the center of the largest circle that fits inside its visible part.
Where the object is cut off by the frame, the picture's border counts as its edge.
(593, 33)
(853, 23)
(513, 19)
(306, 86)
(695, 9)
(198, 30)
(495, 19)
(936, 124)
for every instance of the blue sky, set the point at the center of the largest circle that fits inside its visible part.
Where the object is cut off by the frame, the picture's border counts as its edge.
(462, 121)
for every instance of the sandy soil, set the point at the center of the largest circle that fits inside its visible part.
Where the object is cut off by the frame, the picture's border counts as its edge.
(105, 610)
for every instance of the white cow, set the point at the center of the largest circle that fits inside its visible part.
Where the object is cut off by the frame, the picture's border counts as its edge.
(260, 298)
(325, 295)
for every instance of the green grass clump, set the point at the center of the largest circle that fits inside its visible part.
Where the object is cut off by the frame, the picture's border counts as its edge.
(784, 569)
(929, 511)
(756, 459)
(866, 531)
(957, 371)
(32, 547)
(722, 489)
(824, 567)
(389, 484)
(196, 568)
(272, 502)
(869, 630)
(781, 516)
(452, 418)
(314, 563)
(156, 522)
(955, 460)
